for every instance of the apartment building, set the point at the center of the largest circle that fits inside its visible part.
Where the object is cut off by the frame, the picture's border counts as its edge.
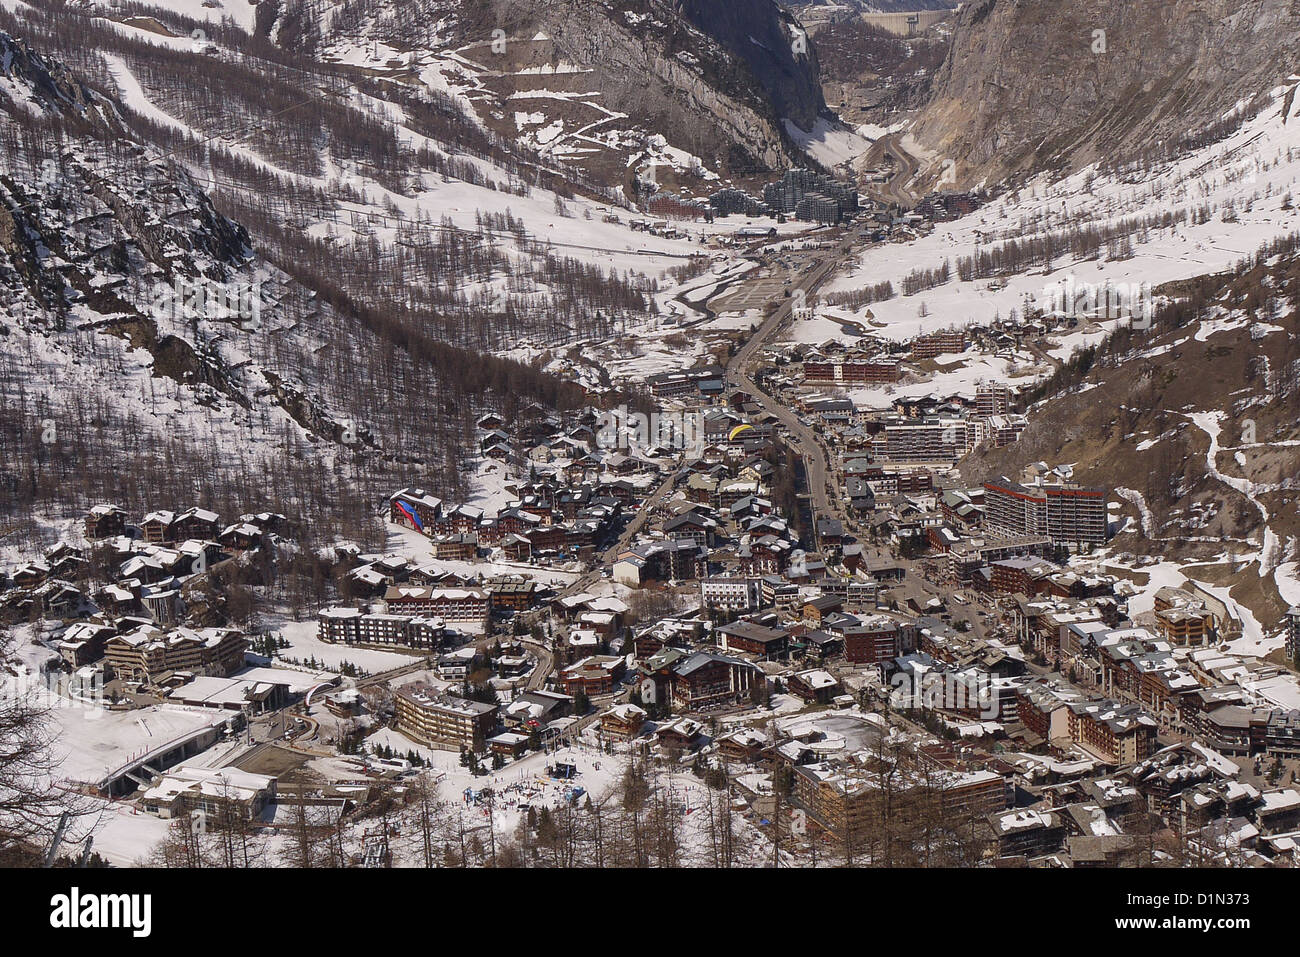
(1118, 733)
(466, 608)
(731, 593)
(875, 639)
(992, 398)
(148, 654)
(851, 370)
(938, 343)
(444, 721)
(932, 439)
(351, 626)
(1068, 513)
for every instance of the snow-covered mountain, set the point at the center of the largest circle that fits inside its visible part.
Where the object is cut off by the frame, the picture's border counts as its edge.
(146, 341)
(1192, 422)
(383, 200)
(1029, 85)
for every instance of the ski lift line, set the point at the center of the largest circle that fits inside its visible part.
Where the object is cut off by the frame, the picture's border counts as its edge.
(558, 169)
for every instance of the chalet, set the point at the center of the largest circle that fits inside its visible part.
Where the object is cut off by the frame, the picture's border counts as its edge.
(266, 521)
(1043, 709)
(195, 523)
(691, 526)
(462, 547)
(369, 582)
(815, 686)
(830, 532)
(1027, 832)
(705, 681)
(83, 642)
(240, 537)
(820, 645)
(344, 704)
(620, 491)
(511, 592)
(509, 744)
(762, 556)
(860, 494)
(817, 609)
(1278, 811)
(156, 527)
(680, 735)
(64, 560)
(414, 507)
(516, 521)
(622, 723)
(751, 506)
(105, 521)
(501, 452)
(517, 548)
(744, 745)
(30, 575)
(534, 709)
(752, 638)
(57, 600)
(594, 675)
(150, 568)
(458, 663)
(116, 599)
(701, 488)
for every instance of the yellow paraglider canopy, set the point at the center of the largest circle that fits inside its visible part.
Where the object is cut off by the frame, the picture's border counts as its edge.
(737, 430)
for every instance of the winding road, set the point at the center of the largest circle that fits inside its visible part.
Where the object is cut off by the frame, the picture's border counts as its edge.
(895, 189)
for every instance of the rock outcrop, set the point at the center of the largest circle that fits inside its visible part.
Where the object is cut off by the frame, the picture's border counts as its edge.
(1030, 85)
(717, 78)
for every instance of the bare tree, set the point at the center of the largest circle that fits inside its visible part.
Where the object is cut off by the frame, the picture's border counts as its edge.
(33, 799)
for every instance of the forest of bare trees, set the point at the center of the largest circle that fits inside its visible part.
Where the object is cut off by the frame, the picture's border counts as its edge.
(357, 356)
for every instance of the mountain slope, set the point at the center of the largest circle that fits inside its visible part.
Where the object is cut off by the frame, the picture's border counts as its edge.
(1030, 85)
(716, 79)
(150, 353)
(1193, 424)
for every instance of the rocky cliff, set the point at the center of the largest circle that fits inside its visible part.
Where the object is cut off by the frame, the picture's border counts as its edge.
(772, 44)
(1031, 85)
(717, 77)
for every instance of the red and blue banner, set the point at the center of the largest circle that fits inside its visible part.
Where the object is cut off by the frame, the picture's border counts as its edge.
(411, 514)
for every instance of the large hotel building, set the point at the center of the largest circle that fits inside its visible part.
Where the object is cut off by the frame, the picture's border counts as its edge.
(443, 720)
(1067, 513)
